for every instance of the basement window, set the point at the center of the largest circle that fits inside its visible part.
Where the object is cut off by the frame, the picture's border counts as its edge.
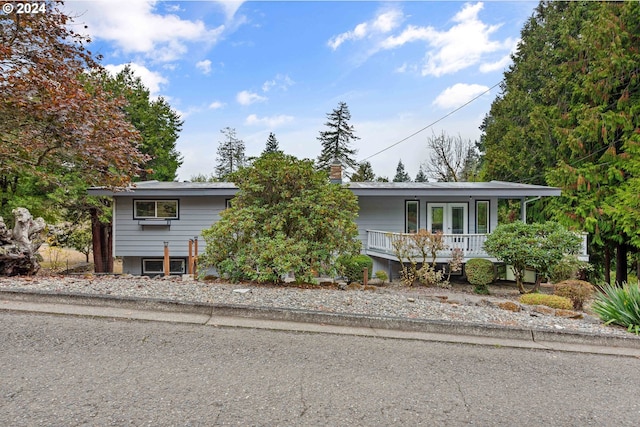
(155, 266)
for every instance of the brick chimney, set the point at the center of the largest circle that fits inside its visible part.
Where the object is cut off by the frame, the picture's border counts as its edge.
(335, 174)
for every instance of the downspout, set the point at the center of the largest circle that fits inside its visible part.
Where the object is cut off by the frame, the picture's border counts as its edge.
(524, 207)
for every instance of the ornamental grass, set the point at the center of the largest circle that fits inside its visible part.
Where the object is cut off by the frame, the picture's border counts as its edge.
(619, 305)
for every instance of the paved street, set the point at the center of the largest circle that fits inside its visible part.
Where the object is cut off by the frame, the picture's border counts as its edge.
(62, 371)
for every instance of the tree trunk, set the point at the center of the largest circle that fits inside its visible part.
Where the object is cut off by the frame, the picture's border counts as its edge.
(102, 244)
(607, 264)
(621, 264)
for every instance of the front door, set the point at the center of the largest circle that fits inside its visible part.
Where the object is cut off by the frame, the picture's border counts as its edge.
(448, 218)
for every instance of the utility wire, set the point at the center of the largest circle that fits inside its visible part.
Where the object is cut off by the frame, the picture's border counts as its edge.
(433, 123)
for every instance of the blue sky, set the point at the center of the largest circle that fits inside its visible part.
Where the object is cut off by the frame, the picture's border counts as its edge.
(282, 66)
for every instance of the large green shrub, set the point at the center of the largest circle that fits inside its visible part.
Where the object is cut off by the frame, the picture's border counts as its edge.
(481, 273)
(619, 305)
(286, 217)
(570, 267)
(537, 246)
(578, 291)
(553, 301)
(352, 267)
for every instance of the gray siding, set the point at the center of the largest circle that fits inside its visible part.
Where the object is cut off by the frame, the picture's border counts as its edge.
(387, 213)
(380, 213)
(134, 240)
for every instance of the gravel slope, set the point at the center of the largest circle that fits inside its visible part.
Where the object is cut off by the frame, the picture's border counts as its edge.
(393, 301)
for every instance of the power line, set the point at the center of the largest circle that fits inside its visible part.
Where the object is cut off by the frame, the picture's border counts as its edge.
(433, 123)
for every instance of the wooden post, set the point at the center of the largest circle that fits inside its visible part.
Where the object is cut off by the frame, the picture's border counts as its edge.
(190, 260)
(167, 265)
(195, 257)
(365, 276)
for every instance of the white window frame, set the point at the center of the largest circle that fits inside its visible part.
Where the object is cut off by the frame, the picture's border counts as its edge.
(447, 217)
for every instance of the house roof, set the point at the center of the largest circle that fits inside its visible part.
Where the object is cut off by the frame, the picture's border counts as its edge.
(477, 189)
(169, 189)
(403, 189)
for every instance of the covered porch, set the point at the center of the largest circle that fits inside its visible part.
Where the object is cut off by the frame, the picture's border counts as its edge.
(471, 245)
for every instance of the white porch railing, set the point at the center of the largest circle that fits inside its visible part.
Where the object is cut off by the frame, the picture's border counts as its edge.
(471, 245)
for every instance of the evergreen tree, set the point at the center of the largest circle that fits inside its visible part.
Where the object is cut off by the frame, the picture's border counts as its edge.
(470, 165)
(337, 139)
(421, 176)
(272, 145)
(364, 173)
(401, 175)
(158, 124)
(231, 155)
(568, 116)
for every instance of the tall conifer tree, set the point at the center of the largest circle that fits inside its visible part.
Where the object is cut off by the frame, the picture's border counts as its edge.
(401, 174)
(272, 145)
(231, 155)
(336, 140)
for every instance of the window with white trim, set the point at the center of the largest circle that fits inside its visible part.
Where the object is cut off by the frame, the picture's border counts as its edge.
(155, 209)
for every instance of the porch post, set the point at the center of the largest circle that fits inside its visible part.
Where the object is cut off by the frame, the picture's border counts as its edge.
(190, 259)
(167, 269)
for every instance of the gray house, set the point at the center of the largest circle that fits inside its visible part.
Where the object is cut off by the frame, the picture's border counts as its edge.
(152, 213)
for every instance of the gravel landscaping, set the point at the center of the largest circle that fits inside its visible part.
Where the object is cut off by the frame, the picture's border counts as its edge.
(456, 304)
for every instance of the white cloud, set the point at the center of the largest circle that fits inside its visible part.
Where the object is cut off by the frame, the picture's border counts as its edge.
(137, 27)
(247, 98)
(410, 34)
(384, 22)
(461, 46)
(151, 79)
(458, 94)
(216, 105)
(270, 122)
(499, 65)
(191, 110)
(204, 66)
(282, 82)
(230, 7)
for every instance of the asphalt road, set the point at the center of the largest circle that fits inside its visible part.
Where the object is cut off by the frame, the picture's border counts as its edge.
(68, 371)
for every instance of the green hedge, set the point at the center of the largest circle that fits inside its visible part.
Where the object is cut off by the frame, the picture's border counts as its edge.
(352, 267)
(480, 273)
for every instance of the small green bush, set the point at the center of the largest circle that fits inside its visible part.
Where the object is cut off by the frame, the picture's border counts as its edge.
(619, 305)
(480, 273)
(553, 301)
(570, 267)
(382, 276)
(352, 266)
(578, 291)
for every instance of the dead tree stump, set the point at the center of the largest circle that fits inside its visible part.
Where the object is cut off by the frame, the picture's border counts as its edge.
(19, 247)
